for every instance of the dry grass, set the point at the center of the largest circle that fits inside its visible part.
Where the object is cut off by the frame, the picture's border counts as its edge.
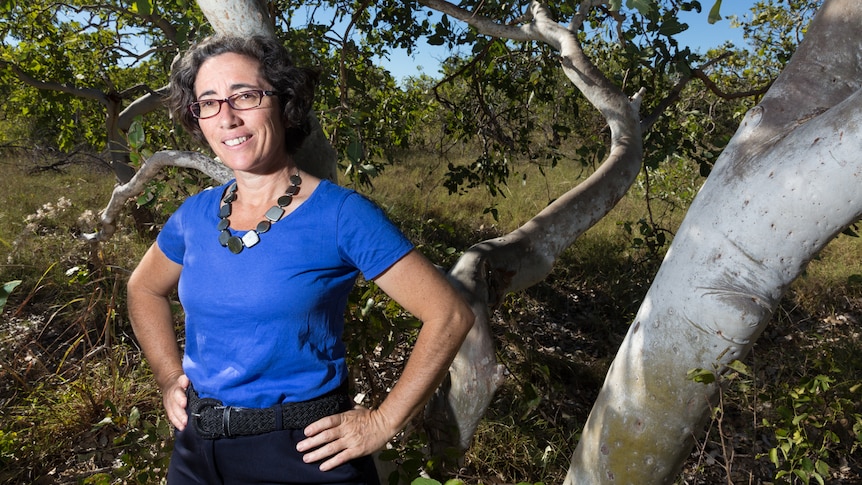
(66, 350)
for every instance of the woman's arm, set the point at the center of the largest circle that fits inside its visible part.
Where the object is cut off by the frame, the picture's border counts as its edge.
(421, 289)
(149, 289)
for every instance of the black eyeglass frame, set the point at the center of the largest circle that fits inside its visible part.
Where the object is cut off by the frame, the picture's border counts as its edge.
(230, 101)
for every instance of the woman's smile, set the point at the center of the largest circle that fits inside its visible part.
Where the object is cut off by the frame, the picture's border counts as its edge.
(245, 140)
(235, 141)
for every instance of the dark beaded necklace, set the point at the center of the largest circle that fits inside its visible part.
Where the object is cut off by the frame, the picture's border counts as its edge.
(252, 237)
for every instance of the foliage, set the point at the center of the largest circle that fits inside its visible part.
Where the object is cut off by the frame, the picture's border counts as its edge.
(778, 26)
(6, 291)
(807, 443)
(504, 113)
(82, 63)
(560, 332)
(509, 98)
(813, 421)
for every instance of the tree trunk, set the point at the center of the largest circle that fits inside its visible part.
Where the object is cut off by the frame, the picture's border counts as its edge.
(251, 17)
(491, 269)
(246, 17)
(787, 183)
(238, 17)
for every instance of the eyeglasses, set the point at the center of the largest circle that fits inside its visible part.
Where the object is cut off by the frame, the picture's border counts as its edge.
(239, 101)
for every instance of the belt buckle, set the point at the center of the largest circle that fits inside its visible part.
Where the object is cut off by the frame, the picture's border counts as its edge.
(197, 408)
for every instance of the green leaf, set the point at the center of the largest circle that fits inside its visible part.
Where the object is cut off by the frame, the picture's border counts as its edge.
(701, 376)
(145, 7)
(6, 291)
(714, 15)
(615, 4)
(672, 27)
(424, 481)
(773, 456)
(802, 474)
(136, 134)
(355, 152)
(642, 6)
(739, 367)
(822, 468)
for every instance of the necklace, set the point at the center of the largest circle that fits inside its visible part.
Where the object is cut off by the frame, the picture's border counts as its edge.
(252, 237)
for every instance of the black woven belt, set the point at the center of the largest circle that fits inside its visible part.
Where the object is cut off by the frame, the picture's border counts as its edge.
(212, 419)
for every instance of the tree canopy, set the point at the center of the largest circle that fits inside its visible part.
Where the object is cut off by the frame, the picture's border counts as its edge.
(79, 73)
(527, 89)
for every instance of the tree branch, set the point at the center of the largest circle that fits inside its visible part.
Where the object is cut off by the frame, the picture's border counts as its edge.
(151, 168)
(699, 74)
(26, 78)
(481, 23)
(696, 73)
(160, 22)
(489, 270)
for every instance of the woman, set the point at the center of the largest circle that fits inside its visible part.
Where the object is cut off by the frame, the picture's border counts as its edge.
(263, 267)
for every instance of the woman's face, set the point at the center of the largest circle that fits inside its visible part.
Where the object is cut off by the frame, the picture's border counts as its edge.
(244, 140)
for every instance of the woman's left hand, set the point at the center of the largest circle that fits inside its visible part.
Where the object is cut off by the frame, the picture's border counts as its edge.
(421, 289)
(337, 439)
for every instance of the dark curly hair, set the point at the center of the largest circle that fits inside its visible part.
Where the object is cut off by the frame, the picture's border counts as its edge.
(295, 85)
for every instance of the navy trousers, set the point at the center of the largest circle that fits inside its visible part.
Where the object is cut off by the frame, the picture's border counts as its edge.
(269, 458)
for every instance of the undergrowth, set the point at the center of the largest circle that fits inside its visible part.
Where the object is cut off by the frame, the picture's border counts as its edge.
(78, 404)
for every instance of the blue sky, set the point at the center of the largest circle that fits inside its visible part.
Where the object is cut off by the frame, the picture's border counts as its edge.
(700, 35)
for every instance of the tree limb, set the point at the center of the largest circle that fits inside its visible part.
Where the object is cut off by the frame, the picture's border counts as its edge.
(696, 73)
(479, 22)
(28, 79)
(491, 269)
(699, 74)
(147, 172)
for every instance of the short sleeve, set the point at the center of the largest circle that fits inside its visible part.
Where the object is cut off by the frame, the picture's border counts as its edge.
(367, 238)
(170, 240)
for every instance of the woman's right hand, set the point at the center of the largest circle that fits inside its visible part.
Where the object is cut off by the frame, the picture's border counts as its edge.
(149, 290)
(175, 401)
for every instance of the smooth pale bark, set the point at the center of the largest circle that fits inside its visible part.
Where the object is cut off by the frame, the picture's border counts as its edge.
(238, 17)
(787, 183)
(136, 185)
(252, 17)
(493, 268)
(247, 17)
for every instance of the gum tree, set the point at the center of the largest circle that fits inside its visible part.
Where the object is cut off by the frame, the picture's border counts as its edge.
(781, 189)
(785, 185)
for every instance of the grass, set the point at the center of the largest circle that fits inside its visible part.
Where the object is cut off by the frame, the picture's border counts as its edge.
(78, 405)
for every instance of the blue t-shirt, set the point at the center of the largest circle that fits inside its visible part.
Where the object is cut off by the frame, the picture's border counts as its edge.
(265, 326)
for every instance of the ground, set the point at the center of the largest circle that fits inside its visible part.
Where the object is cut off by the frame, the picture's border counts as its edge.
(556, 340)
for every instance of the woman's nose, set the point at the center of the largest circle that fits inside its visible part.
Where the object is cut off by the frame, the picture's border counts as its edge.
(228, 117)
